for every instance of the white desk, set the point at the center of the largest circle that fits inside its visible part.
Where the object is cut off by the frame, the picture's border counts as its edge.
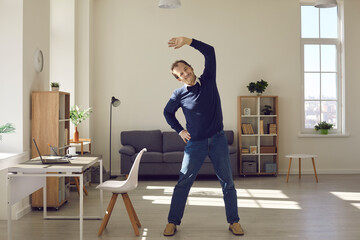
(26, 177)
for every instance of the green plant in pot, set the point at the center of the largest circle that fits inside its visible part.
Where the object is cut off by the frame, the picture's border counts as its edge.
(258, 87)
(324, 127)
(6, 128)
(76, 117)
(55, 86)
(267, 110)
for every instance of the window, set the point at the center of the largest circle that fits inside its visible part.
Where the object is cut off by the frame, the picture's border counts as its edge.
(322, 61)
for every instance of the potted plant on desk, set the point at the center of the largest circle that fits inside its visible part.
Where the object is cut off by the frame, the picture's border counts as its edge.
(324, 127)
(76, 117)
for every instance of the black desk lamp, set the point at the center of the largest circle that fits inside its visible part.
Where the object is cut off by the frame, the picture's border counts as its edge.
(114, 102)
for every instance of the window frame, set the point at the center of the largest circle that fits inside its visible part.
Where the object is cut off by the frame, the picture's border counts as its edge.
(339, 44)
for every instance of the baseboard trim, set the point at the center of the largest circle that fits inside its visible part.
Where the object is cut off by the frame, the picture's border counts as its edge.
(321, 171)
(22, 212)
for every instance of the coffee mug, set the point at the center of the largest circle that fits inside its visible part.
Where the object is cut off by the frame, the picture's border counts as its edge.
(71, 151)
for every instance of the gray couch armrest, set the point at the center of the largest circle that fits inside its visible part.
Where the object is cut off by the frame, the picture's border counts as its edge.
(127, 150)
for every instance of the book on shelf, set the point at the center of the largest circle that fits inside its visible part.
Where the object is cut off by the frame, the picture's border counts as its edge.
(243, 128)
(244, 150)
(267, 149)
(272, 128)
(66, 137)
(251, 129)
(247, 128)
(261, 126)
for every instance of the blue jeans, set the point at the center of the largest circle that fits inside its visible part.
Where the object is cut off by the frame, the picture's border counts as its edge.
(216, 148)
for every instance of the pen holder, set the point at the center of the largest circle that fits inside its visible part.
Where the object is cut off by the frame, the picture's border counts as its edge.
(53, 151)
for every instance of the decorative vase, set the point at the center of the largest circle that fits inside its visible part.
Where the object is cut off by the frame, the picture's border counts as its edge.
(76, 135)
(324, 131)
(258, 94)
(55, 89)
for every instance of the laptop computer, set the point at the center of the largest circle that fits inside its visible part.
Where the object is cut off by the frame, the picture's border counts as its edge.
(50, 159)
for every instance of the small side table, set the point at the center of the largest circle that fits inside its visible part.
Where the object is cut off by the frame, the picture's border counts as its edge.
(300, 156)
(81, 143)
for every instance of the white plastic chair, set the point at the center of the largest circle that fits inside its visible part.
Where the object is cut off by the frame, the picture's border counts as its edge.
(123, 187)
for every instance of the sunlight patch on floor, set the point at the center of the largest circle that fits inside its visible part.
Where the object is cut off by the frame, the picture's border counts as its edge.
(279, 204)
(250, 193)
(247, 198)
(144, 234)
(357, 205)
(158, 199)
(349, 196)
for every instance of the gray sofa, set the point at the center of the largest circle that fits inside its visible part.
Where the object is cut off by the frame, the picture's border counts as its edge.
(164, 154)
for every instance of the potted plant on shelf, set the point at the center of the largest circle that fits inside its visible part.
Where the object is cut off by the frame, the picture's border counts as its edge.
(55, 86)
(76, 117)
(267, 110)
(324, 127)
(6, 128)
(258, 87)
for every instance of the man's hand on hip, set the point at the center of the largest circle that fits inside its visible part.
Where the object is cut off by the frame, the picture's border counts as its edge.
(185, 135)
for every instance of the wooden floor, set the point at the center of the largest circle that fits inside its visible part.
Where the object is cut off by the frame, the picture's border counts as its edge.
(269, 208)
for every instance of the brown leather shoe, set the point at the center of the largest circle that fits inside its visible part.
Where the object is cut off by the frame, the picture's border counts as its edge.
(236, 229)
(170, 229)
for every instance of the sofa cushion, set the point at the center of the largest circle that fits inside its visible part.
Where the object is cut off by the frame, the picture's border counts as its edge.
(173, 157)
(230, 136)
(149, 157)
(127, 150)
(232, 150)
(151, 140)
(172, 142)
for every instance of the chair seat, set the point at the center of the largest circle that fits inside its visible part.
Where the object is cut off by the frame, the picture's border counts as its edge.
(116, 186)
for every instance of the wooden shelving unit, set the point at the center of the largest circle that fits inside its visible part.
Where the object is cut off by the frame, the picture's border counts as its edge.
(50, 125)
(262, 137)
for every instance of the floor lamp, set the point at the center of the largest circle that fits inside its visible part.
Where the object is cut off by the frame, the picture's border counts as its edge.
(114, 102)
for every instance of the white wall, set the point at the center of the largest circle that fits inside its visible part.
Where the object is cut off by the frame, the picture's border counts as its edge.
(253, 39)
(24, 27)
(62, 45)
(11, 76)
(83, 60)
(70, 43)
(35, 36)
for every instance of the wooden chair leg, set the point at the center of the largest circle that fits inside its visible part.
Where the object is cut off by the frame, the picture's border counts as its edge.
(108, 213)
(85, 191)
(313, 162)
(77, 186)
(135, 216)
(287, 177)
(76, 179)
(299, 168)
(128, 204)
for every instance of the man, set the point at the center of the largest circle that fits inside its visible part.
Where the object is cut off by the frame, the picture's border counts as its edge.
(204, 135)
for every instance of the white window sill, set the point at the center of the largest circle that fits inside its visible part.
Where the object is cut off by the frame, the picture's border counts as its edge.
(318, 135)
